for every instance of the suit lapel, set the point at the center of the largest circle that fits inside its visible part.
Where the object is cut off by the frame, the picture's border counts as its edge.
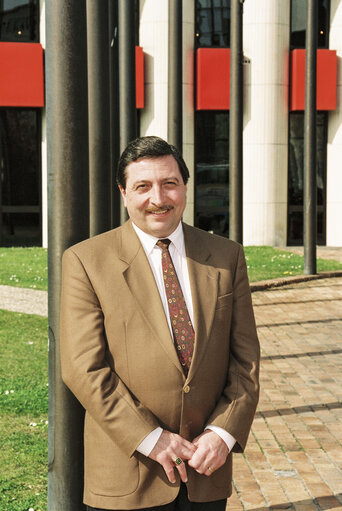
(204, 287)
(140, 280)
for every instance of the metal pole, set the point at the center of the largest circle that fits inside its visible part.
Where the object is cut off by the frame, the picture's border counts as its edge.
(99, 117)
(127, 88)
(236, 123)
(114, 106)
(310, 186)
(175, 89)
(68, 220)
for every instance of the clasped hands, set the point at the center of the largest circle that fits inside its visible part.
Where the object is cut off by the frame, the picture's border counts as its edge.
(205, 454)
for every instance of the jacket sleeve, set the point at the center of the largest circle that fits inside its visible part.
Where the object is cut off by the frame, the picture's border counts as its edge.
(235, 409)
(85, 365)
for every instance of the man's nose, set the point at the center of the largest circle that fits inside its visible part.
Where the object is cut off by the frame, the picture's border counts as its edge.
(157, 195)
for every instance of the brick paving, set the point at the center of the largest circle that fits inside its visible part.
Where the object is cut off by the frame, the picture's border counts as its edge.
(294, 456)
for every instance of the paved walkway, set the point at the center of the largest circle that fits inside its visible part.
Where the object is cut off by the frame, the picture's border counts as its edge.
(294, 455)
(322, 252)
(19, 299)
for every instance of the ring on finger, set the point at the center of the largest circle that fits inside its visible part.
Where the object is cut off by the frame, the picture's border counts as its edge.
(210, 469)
(178, 461)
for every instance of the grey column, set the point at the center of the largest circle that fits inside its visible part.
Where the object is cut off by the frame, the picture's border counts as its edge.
(68, 222)
(127, 93)
(100, 181)
(175, 68)
(310, 179)
(114, 106)
(235, 123)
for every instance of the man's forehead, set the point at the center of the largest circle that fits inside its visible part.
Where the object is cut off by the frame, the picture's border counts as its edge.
(165, 165)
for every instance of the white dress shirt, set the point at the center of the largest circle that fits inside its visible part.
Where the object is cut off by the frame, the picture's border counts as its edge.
(178, 256)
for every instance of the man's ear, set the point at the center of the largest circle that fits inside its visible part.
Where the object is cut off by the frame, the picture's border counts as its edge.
(123, 194)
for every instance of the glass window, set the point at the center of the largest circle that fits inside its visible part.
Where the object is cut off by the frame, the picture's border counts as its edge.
(296, 165)
(212, 129)
(298, 23)
(19, 20)
(296, 134)
(20, 176)
(212, 172)
(212, 23)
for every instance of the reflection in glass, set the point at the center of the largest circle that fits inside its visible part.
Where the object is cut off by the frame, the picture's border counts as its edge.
(212, 172)
(298, 23)
(213, 23)
(19, 20)
(20, 176)
(296, 165)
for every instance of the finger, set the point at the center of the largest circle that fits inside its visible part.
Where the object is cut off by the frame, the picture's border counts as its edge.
(169, 469)
(187, 453)
(198, 460)
(182, 472)
(209, 471)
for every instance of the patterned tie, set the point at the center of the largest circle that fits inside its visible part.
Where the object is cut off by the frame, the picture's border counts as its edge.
(183, 332)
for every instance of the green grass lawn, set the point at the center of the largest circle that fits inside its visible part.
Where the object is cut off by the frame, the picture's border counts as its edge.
(265, 263)
(27, 267)
(23, 418)
(23, 267)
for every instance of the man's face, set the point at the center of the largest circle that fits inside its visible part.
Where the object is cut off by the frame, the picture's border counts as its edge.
(155, 195)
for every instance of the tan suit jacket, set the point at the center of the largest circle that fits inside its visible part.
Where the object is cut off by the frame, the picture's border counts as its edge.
(119, 360)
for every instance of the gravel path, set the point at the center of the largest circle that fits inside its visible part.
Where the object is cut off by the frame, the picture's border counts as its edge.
(18, 299)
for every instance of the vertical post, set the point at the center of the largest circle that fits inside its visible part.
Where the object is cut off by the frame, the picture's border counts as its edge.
(100, 182)
(235, 123)
(114, 106)
(68, 220)
(175, 89)
(127, 92)
(310, 186)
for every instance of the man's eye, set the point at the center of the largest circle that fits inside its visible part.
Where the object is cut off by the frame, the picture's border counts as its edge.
(141, 187)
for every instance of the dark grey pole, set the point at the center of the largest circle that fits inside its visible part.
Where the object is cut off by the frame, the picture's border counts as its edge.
(114, 106)
(68, 220)
(127, 92)
(175, 89)
(310, 186)
(100, 182)
(235, 123)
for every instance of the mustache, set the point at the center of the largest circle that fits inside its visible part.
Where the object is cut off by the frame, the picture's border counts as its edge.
(157, 210)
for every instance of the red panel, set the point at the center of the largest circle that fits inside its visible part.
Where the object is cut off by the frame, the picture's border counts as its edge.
(21, 74)
(213, 78)
(326, 80)
(139, 76)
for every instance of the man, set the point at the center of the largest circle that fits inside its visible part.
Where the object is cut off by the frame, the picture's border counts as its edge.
(158, 343)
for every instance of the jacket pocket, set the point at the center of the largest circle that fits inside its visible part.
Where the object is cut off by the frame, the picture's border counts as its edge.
(108, 470)
(224, 300)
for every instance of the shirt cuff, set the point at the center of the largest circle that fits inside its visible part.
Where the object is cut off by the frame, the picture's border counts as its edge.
(146, 446)
(228, 439)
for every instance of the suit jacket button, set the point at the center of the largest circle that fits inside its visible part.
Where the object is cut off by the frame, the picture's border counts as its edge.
(186, 389)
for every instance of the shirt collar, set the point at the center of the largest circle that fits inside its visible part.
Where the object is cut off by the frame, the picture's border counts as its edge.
(149, 242)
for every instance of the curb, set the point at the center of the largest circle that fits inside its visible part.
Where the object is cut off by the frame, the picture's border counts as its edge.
(263, 285)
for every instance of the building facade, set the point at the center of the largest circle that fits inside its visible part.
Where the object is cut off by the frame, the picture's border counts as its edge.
(273, 122)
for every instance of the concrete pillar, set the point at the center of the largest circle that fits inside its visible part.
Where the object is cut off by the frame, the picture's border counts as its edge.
(188, 104)
(43, 141)
(334, 150)
(153, 37)
(266, 34)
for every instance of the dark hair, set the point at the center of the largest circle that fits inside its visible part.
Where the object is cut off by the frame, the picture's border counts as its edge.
(148, 147)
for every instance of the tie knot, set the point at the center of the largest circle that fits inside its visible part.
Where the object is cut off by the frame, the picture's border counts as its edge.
(163, 244)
